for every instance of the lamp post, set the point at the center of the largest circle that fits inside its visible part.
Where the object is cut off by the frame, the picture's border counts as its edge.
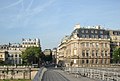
(78, 61)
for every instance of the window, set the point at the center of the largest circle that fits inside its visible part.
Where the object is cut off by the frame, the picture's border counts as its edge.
(95, 31)
(10, 55)
(97, 44)
(82, 31)
(96, 61)
(92, 31)
(105, 44)
(105, 36)
(115, 33)
(101, 32)
(92, 61)
(83, 44)
(87, 44)
(92, 52)
(75, 52)
(102, 45)
(19, 55)
(92, 36)
(87, 61)
(75, 45)
(102, 61)
(93, 44)
(87, 36)
(83, 53)
(90, 44)
(101, 36)
(82, 61)
(105, 61)
(87, 53)
(74, 60)
(96, 36)
(96, 52)
(16, 55)
(83, 36)
(105, 53)
(102, 53)
(86, 31)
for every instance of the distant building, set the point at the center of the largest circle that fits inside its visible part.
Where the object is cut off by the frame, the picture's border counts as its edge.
(115, 40)
(87, 46)
(47, 52)
(54, 55)
(15, 52)
(15, 49)
(30, 42)
(3, 56)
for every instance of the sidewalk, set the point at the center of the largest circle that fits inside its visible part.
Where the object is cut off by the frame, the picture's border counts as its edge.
(72, 77)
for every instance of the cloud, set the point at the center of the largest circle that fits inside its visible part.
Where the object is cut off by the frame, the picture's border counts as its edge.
(23, 17)
(29, 6)
(11, 5)
(40, 8)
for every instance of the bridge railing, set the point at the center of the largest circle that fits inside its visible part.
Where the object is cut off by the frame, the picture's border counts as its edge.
(39, 75)
(105, 74)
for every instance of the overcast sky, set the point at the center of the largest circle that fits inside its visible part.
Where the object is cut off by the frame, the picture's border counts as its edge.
(51, 20)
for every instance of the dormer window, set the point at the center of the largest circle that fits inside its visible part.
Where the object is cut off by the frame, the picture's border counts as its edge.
(101, 32)
(86, 31)
(82, 31)
(92, 31)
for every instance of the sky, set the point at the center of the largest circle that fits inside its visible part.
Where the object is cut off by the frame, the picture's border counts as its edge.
(51, 20)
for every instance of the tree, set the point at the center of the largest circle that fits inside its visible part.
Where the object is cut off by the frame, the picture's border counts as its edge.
(32, 55)
(116, 55)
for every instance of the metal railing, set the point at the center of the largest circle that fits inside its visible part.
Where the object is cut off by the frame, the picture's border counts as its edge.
(104, 74)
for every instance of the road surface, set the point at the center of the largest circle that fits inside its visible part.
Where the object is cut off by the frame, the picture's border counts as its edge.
(59, 75)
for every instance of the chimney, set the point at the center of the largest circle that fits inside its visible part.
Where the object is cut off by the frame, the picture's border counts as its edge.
(77, 26)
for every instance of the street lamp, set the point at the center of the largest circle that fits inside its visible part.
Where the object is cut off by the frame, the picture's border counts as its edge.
(78, 61)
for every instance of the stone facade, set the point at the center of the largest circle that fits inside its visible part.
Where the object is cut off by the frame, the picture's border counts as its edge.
(115, 40)
(15, 49)
(86, 47)
(30, 42)
(47, 52)
(3, 55)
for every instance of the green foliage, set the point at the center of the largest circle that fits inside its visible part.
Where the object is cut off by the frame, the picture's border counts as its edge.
(116, 55)
(31, 55)
(2, 62)
(48, 58)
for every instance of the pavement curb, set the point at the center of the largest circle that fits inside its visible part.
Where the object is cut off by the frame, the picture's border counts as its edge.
(42, 73)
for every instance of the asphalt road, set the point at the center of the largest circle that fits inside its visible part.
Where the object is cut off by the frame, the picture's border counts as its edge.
(59, 75)
(51, 75)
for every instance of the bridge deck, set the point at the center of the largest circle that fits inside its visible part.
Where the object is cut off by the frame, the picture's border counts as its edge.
(59, 75)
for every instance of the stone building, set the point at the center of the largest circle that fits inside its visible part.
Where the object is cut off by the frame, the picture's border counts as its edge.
(47, 52)
(54, 55)
(85, 47)
(15, 49)
(3, 56)
(15, 52)
(30, 43)
(115, 40)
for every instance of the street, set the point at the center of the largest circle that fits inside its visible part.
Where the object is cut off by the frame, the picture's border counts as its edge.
(59, 75)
